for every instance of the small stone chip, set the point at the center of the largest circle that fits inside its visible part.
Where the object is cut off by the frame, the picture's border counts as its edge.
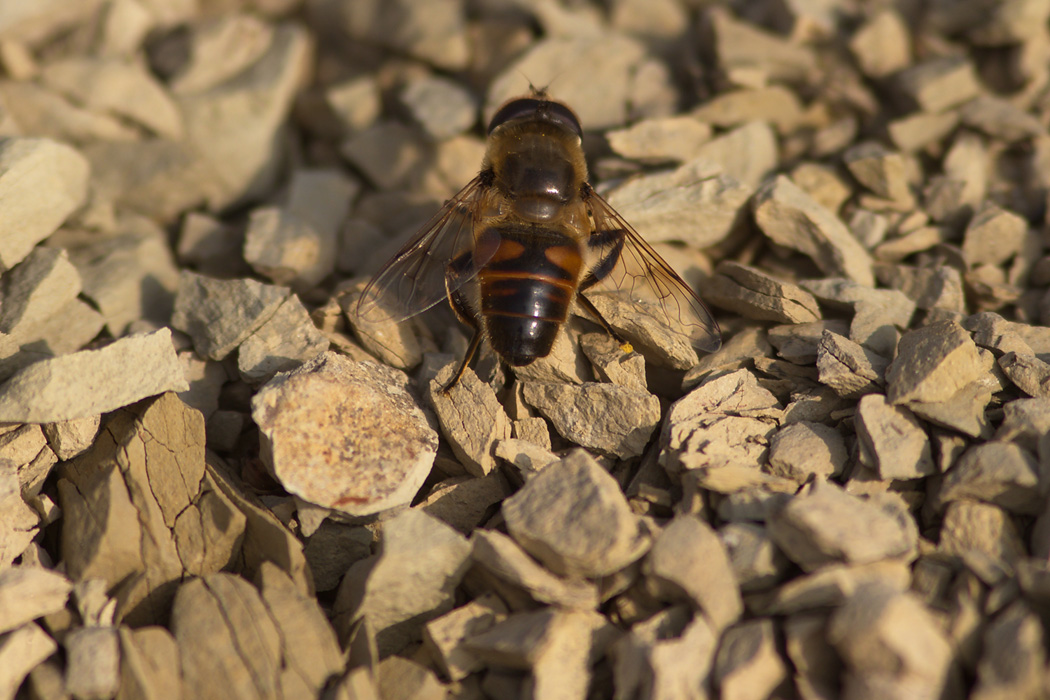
(880, 170)
(90, 382)
(41, 183)
(802, 449)
(748, 664)
(412, 579)
(689, 562)
(939, 83)
(27, 593)
(444, 636)
(850, 369)
(882, 44)
(889, 640)
(345, 435)
(472, 418)
(1030, 374)
(92, 661)
(981, 533)
(754, 294)
(824, 524)
(993, 236)
(697, 203)
(501, 557)
(892, 440)
(574, 518)
(220, 314)
(285, 341)
(791, 218)
(933, 363)
(608, 418)
(995, 472)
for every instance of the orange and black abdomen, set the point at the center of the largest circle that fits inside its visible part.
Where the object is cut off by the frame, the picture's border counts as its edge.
(526, 290)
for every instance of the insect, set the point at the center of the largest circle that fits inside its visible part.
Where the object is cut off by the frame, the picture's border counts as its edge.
(513, 250)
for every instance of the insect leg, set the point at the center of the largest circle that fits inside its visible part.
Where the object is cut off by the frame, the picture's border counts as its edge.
(472, 349)
(611, 244)
(461, 308)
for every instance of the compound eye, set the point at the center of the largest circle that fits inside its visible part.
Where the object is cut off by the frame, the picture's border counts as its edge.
(559, 113)
(515, 109)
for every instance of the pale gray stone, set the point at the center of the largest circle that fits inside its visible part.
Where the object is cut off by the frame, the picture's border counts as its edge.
(28, 592)
(1030, 374)
(285, 341)
(42, 182)
(130, 274)
(850, 369)
(791, 218)
(609, 418)
(757, 562)
(574, 518)
(747, 153)
(754, 294)
(824, 524)
(70, 438)
(92, 661)
(748, 664)
(697, 202)
(412, 579)
(939, 83)
(982, 534)
(501, 558)
(892, 440)
(995, 472)
(799, 450)
(928, 287)
(877, 313)
(892, 645)
(442, 107)
(661, 139)
(124, 88)
(932, 364)
(880, 170)
(882, 44)
(689, 562)
(220, 314)
(993, 236)
(90, 382)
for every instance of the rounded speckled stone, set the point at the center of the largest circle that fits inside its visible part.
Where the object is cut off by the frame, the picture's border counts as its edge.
(345, 435)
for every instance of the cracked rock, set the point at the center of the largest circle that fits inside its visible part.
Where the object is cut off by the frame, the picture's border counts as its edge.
(220, 314)
(850, 369)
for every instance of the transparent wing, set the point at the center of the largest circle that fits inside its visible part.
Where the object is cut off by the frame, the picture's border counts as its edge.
(438, 259)
(639, 271)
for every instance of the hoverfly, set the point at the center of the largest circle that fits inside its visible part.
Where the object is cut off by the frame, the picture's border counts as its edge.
(513, 250)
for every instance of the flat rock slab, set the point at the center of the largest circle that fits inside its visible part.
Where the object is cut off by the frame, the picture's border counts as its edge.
(574, 518)
(345, 435)
(90, 382)
(791, 218)
(41, 183)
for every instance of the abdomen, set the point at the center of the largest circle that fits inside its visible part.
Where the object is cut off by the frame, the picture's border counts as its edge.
(526, 290)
